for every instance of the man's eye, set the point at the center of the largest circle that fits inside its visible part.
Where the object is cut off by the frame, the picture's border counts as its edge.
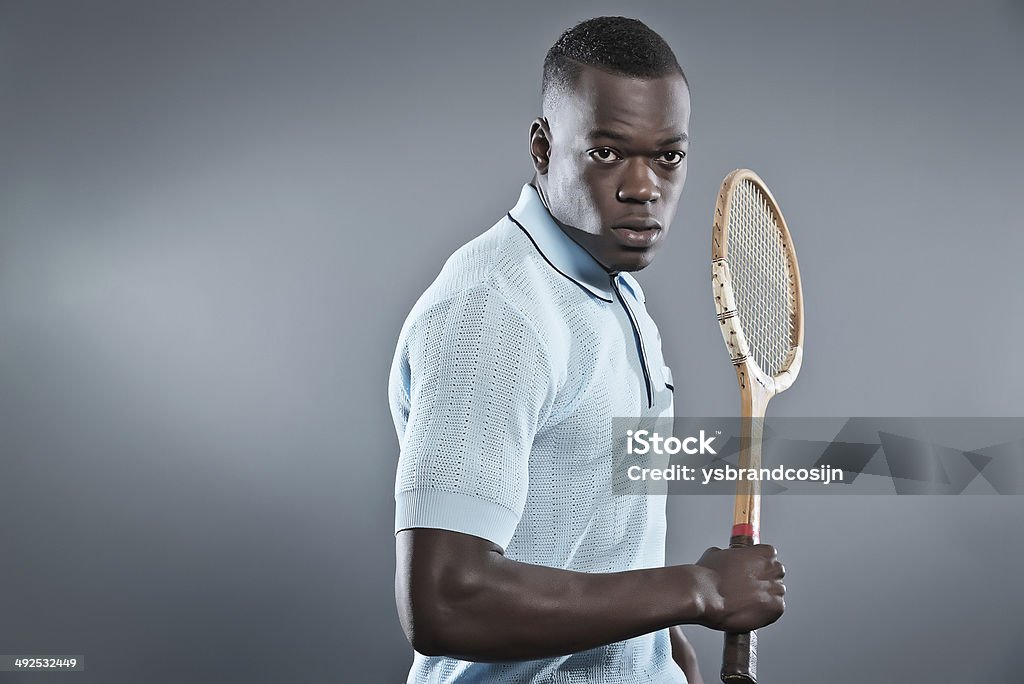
(604, 155)
(672, 157)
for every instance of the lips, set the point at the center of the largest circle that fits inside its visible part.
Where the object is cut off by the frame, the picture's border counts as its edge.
(638, 233)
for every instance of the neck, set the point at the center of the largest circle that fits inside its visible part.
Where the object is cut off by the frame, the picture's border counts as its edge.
(573, 234)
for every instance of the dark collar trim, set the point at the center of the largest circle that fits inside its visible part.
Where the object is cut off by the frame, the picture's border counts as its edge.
(561, 272)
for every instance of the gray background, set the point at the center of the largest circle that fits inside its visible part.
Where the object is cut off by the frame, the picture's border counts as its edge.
(215, 216)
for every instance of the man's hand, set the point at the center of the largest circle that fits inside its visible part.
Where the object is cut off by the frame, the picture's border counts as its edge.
(743, 588)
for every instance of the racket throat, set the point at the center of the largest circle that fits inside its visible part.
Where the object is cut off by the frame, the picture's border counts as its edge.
(639, 339)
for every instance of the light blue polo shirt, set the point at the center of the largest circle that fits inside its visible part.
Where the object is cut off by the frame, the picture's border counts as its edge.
(508, 373)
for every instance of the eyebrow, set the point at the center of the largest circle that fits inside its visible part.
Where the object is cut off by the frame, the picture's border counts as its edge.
(612, 135)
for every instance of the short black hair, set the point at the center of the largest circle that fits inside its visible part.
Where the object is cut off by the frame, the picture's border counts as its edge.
(617, 45)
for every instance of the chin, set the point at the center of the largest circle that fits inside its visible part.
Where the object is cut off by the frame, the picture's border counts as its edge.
(634, 261)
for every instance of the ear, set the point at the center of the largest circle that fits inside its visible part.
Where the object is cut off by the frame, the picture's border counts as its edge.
(540, 144)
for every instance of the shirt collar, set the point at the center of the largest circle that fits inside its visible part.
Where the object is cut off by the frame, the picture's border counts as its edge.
(559, 250)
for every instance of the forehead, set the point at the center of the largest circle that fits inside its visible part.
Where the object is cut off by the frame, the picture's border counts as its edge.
(628, 105)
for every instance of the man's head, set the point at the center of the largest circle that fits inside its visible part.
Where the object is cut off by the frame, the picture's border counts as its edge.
(609, 151)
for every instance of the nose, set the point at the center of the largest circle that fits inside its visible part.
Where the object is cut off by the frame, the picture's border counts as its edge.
(639, 183)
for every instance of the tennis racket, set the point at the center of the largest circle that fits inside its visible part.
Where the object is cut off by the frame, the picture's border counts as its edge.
(756, 283)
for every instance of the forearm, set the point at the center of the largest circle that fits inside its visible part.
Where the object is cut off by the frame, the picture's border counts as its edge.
(506, 610)
(525, 611)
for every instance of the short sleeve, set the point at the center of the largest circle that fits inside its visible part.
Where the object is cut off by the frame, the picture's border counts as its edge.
(470, 387)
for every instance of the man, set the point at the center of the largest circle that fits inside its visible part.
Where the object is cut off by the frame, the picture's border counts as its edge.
(517, 562)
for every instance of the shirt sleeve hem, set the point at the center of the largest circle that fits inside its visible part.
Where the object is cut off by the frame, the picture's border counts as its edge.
(455, 512)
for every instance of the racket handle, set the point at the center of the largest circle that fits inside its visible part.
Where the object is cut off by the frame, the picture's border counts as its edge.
(739, 658)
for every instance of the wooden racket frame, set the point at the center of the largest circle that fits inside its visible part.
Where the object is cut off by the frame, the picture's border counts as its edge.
(739, 659)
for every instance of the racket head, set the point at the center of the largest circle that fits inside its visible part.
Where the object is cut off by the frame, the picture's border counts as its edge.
(756, 282)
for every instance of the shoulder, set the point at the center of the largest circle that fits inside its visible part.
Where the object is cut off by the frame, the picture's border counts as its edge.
(499, 273)
(473, 264)
(474, 294)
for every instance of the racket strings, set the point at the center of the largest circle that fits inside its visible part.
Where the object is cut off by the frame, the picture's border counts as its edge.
(761, 278)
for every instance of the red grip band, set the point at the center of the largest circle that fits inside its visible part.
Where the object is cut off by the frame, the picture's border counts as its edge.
(744, 530)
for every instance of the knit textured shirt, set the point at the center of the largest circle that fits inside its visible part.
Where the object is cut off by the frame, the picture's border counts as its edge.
(508, 373)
